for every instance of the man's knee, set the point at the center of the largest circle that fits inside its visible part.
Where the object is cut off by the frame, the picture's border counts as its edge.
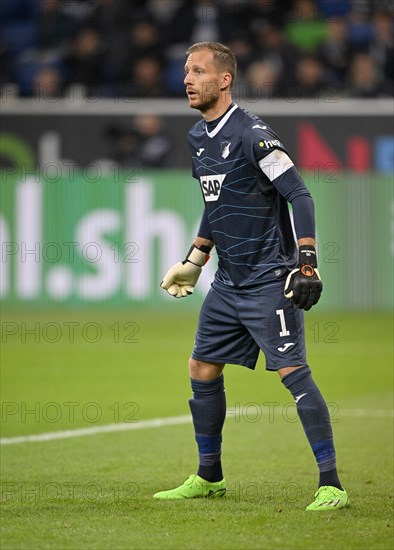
(284, 371)
(200, 370)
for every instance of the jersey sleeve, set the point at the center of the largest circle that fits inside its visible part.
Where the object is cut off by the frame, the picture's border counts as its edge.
(259, 141)
(292, 187)
(194, 173)
(204, 230)
(262, 146)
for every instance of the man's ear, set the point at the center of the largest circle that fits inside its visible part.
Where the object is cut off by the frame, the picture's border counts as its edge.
(226, 81)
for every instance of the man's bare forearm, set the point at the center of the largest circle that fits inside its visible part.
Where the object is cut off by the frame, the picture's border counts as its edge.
(310, 241)
(200, 241)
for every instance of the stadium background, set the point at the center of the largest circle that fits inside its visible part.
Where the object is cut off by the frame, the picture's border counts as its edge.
(97, 201)
(82, 123)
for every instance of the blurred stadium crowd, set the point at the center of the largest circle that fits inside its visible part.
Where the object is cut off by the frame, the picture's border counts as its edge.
(131, 48)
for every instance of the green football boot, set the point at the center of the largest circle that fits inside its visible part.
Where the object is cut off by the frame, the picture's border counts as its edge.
(194, 487)
(329, 498)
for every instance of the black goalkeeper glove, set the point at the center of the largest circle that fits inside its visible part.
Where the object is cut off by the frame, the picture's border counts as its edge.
(303, 285)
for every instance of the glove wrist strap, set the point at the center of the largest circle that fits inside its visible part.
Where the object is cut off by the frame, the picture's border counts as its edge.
(307, 256)
(197, 256)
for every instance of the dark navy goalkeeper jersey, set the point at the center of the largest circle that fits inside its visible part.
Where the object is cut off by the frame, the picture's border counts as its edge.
(246, 216)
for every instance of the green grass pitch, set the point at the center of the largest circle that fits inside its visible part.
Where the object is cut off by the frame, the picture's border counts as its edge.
(95, 492)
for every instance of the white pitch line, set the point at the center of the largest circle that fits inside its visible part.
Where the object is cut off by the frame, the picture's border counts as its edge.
(372, 413)
(107, 428)
(158, 423)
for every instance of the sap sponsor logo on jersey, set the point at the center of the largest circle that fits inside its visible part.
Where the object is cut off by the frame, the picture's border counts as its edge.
(211, 186)
(270, 143)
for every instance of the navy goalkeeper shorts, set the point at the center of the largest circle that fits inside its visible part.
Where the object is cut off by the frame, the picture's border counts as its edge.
(235, 325)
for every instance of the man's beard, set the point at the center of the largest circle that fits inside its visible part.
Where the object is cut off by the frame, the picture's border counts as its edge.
(207, 103)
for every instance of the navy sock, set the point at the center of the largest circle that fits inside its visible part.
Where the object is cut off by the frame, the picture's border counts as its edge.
(315, 419)
(208, 408)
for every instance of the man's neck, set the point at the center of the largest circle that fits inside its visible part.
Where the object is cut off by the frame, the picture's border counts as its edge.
(218, 109)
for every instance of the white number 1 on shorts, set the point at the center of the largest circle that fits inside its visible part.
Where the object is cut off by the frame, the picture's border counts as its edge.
(284, 331)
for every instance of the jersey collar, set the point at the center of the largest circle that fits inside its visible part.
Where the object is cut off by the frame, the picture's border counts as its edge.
(223, 121)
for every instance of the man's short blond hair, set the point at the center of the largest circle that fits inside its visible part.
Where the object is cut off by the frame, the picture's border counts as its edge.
(223, 58)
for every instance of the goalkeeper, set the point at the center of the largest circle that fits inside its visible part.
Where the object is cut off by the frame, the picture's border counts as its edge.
(264, 281)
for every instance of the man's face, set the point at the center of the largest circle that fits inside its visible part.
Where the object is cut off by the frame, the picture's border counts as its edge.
(202, 81)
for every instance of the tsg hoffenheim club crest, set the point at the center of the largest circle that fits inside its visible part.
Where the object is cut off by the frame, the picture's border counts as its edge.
(225, 148)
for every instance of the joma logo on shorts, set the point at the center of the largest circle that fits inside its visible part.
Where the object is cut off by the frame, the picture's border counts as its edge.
(211, 186)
